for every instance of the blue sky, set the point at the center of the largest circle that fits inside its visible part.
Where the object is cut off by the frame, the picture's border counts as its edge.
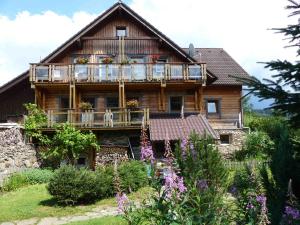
(242, 28)
(11, 7)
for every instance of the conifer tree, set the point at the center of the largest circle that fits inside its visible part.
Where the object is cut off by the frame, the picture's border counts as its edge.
(284, 88)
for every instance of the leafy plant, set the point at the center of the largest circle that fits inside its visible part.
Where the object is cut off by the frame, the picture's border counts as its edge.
(133, 175)
(85, 106)
(70, 186)
(34, 121)
(257, 145)
(68, 143)
(82, 60)
(26, 177)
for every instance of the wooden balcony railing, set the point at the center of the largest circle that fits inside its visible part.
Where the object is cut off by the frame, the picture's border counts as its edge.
(93, 119)
(136, 72)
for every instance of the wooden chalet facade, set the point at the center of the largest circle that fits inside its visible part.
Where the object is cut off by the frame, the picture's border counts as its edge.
(132, 75)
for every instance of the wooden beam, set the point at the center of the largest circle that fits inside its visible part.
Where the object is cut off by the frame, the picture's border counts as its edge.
(116, 38)
(162, 98)
(44, 100)
(201, 100)
(70, 96)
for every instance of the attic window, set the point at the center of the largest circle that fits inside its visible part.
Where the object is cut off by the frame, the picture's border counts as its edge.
(121, 31)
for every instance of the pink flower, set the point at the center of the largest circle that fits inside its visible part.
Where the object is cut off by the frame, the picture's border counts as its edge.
(174, 185)
(147, 153)
(122, 201)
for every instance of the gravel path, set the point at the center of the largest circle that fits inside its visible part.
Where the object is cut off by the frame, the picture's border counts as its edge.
(95, 213)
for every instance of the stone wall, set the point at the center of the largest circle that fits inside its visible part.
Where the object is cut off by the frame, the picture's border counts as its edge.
(237, 138)
(15, 155)
(108, 154)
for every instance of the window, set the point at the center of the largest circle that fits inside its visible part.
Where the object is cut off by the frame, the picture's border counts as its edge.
(225, 138)
(112, 102)
(63, 103)
(176, 103)
(81, 161)
(121, 32)
(212, 106)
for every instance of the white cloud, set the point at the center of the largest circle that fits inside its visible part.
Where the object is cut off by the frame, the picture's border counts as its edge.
(240, 27)
(30, 37)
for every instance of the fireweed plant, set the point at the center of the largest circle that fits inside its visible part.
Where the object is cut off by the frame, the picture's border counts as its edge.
(250, 196)
(192, 193)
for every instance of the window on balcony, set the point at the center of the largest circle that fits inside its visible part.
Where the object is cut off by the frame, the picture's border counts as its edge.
(138, 68)
(176, 103)
(121, 31)
(112, 102)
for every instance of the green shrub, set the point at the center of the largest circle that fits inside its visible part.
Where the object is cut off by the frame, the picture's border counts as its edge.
(26, 177)
(133, 175)
(257, 145)
(38, 176)
(71, 186)
(105, 182)
(14, 182)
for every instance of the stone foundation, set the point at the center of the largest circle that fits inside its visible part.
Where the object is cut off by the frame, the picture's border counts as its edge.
(108, 154)
(15, 155)
(236, 140)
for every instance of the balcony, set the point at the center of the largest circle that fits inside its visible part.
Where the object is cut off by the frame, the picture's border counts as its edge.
(111, 118)
(98, 73)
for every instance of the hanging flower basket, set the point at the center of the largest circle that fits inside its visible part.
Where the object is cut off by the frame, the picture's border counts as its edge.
(132, 104)
(107, 60)
(82, 60)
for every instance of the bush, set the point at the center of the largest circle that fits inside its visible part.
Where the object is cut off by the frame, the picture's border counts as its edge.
(14, 182)
(105, 181)
(26, 177)
(71, 186)
(257, 145)
(133, 175)
(38, 176)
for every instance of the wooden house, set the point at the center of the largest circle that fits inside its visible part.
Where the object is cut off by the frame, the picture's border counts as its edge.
(131, 74)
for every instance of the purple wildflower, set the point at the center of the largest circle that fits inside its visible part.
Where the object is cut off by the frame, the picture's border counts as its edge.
(261, 199)
(202, 184)
(174, 185)
(249, 206)
(147, 153)
(233, 190)
(122, 201)
(292, 213)
(184, 146)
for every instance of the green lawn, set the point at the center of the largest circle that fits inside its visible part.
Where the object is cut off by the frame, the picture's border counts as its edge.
(34, 201)
(108, 220)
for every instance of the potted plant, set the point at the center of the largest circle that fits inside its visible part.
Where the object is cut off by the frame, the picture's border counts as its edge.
(84, 106)
(107, 60)
(132, 103)
(82, 60)
(86, 116)
(124, 62)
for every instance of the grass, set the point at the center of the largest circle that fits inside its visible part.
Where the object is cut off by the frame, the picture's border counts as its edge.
(108, 220)
(35, 201)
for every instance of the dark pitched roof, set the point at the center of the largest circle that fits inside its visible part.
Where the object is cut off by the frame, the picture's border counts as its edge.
(177, 128)
(221, 64)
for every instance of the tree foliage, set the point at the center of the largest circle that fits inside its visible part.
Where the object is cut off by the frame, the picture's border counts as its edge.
(285, 86)
(34, 121)
(68, 143)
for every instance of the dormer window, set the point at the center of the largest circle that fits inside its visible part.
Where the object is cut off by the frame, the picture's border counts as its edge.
(121, 31)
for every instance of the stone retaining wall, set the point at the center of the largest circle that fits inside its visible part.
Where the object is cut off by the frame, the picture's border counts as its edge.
(237, 138)
(15, 155)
